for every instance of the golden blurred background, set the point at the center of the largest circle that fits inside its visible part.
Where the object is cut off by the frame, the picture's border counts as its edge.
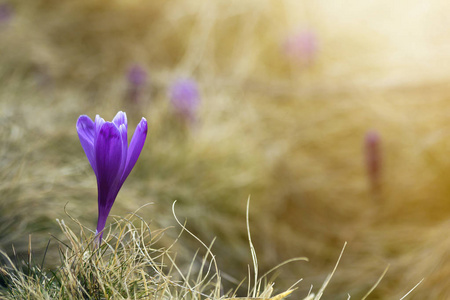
(288, 92)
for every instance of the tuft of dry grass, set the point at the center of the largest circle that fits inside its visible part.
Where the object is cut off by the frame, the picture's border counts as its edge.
(129, 264)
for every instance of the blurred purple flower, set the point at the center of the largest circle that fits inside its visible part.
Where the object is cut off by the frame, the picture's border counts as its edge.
(301, 47)
(185, 98)
(5, 13)
(137, 77)
(106, 147)
(372, 145)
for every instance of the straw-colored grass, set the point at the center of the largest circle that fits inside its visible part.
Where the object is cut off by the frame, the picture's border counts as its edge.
(129, 264)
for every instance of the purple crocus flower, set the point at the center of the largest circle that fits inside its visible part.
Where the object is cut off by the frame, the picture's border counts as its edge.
(301, 47)
(185, 98)
(373, 158)
(106, 147)
(5, 13)
(136, 77)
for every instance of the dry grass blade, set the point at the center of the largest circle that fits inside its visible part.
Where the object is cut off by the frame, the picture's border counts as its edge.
(252, 250)
(376, 284)
(328, 279)
(412, 289)
(277, 297)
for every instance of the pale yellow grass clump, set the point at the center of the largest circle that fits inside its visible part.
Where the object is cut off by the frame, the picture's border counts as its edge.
(128, 265)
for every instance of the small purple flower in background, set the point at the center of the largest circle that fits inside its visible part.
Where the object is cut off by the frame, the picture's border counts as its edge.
(301, 47)
(137, 78)
(185, 98)
(106, 147)
(5, 13)
(372, 145)
(137, 75)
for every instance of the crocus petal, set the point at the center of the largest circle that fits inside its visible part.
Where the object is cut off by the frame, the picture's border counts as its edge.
(136, 144)
(121, 122)
(98, 125)
(108, 153)
(124, 137)
(86, 133)
(120, 118)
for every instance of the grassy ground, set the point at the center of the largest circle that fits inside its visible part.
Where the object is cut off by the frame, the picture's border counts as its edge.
(287, 133)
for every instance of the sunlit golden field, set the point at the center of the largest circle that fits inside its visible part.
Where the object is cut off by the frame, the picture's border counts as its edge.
(286, 131)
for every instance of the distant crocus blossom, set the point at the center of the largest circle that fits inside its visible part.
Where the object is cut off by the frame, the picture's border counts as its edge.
(5, 13)
(106, 147)
(185, 98)
(136, 77)
(301, 47)
(372, 145)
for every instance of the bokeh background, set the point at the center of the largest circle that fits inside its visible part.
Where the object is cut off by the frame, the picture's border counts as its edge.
(287, 93)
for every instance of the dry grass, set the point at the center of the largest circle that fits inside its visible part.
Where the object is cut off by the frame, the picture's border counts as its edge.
(128, 265)
(131, 264)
